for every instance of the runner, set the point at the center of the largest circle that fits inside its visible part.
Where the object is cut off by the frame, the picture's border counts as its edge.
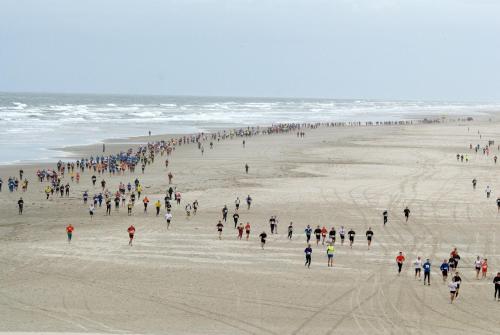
(484, 268)
(456, 279)
(236, 216)
(329, 252)
(369, 236)
(407, 213)
(351, 234)
(219, 229)
(146, 202)
(224, 213)
(317, 233)
(168, 218)
(263, 237)
(477, 265)
(131, 232)
(332, 235)
(474, 183)
(195, 207)
(496, 282)
(188, 209)
(246, 168)
(249, 201)
(324, 231)
(488, 191)
(418, 267)
(69, 232)
(308, 232)
(385, 214)
(91, 211)
(290, 230)
(453, 287)
(158, 207)
(247, 230)
(400, 260)
(498, 204)
(237, 203)
(427, 272)
(240, 231)
(20, 204)
(342, 235)
(445, 267)
(130, 205)
(308, 252)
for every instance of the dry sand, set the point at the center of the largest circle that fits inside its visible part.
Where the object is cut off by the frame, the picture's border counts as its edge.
(186, 281)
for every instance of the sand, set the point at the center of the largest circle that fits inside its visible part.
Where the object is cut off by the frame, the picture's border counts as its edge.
(186, 281)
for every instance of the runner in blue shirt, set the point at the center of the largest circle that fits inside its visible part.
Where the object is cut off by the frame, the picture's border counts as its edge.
(445, 267)
(308, 251)
(427, 271)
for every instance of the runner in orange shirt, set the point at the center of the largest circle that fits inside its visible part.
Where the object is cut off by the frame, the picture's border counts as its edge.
(131, 232)
(145, 201)
(69, 231)
(400, 260)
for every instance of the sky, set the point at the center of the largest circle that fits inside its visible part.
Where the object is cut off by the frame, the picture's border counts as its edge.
(352, 49)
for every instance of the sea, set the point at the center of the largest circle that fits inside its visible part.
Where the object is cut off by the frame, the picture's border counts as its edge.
(34, 127)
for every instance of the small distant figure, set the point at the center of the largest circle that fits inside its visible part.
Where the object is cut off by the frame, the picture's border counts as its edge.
(131, 233)
(496, 282)
(369, 237)
(249, 202)
(488, 191)
(246, 168)
(219, 229)
(20, 204)
(400, 258)
(474, 183)
(103, 147)
(329, 252)
(308, 252)
(385, 214)
(351, 234)
(427, 272)
(149, 133)
(263, 237)
(290, 230)
(69, 232)
(407, 213)
(445, 267)
(243, 143)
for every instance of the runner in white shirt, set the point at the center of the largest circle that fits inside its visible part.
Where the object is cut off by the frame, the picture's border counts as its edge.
(453, 290)
(418, 267)
(342, 235)
(477, 264)
(168, 218)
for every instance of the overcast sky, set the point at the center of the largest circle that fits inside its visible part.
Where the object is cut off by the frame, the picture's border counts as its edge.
(382, 49)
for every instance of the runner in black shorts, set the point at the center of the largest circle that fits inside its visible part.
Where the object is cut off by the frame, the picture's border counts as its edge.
(351, 234)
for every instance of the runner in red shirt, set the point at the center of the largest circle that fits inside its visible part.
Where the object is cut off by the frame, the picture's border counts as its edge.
(247, 230)
(240, 231)
(324, 231)
(69, 231)
(131, 232)
(399, 260)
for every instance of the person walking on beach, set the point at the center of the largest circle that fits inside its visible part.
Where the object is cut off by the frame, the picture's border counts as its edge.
(385, 214)
(69, 232)
(246, 168)
(308, 232)
(290, 230)
(369, 237)
(474, 183)
(498, 204)
(131, 233)
(351, 234)
(496, 282)
(329, 252)
(427, 272)
(488, 191)
(263, 237)
(407, 213)
(445, 267)
(400, 260)
(219, 229)
(308, 252)
(20, 204)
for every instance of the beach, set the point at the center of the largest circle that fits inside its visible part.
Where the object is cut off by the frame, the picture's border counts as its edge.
(185, 280)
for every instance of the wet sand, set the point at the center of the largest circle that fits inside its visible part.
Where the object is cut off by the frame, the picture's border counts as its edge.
(185, 281)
